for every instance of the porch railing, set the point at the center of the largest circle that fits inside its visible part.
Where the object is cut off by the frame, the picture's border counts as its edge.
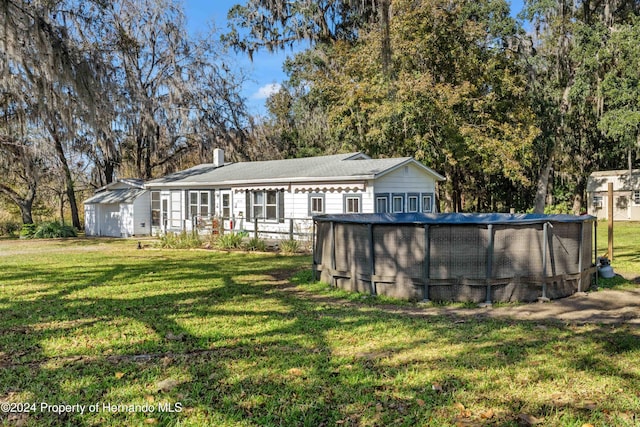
(282, 228)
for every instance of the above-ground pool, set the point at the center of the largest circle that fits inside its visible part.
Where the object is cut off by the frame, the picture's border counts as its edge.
(456, 257)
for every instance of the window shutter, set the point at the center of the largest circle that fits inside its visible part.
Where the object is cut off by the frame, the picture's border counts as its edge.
(247, 199)
(281, 206)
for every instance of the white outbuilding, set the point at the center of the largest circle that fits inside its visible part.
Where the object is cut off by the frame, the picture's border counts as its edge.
(120, 209)
(626, 194)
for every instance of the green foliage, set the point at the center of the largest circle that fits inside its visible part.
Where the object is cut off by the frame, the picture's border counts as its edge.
(620, 85)
(229, 241)
(182, 240)
(559, 208)
(255, 244)
(457, 116)
(28, 230)
(302, 277)
(53, 229)
(289, 246)
(9, 228)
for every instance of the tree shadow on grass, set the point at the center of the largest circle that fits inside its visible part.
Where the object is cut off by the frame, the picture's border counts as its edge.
(242, 348)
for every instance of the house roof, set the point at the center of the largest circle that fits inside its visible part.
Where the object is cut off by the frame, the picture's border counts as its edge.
(338, 167)
(622, 181)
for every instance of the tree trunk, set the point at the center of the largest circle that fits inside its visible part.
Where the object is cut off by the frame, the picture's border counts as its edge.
(385, 37)
(71, 194)
(543, 185)
(61, 208)
(20, 155)
(24, 203)
(578, 197)
(109, 171)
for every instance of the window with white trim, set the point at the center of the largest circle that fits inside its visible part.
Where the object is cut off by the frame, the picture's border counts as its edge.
(636, 197)
(427, 203)
(397, 203)
(382, 203)
(267, 205)
(352, 203)
(413, 203)
(199, 204)
(316, 204)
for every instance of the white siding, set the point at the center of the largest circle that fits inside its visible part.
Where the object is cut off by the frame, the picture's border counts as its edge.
(405, 181)
(126, 219)
(142, 214)
(90, 224)
(109, 220)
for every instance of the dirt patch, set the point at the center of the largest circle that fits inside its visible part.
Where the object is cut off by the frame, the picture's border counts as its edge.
(598, 307)
(604, 306)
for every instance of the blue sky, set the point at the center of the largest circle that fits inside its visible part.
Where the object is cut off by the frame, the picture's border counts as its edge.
(265, 72)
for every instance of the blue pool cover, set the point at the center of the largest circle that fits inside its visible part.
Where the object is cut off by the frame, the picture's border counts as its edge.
(450, 218)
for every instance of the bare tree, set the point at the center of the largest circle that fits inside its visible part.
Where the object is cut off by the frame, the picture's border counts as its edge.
(173, 87)
(50, 66)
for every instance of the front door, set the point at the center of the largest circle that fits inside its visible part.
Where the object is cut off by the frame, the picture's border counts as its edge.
(226, 208)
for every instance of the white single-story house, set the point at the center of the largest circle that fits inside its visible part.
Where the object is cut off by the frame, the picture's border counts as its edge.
(281, 196)
(626, 194)
(119, 209)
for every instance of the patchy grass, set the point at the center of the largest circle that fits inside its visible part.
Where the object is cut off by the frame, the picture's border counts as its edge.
(225, 339)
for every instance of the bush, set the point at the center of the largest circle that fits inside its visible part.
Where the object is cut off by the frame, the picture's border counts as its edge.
(229, 241)
(255, 244)
(289, 246)
(559, 208)
(52, 230)
(27, 231)
(9, 228)
(182, 240)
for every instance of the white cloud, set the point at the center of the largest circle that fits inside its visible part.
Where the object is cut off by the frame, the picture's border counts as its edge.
(266, 91)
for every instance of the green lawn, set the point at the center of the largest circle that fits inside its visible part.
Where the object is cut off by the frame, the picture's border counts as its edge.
(225, 339)
(626, 250)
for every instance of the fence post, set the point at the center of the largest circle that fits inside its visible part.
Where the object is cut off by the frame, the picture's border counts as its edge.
(255, 228)
(333, 254)
(489, 273)
(314, 252)
(610, 214)
(595, 248)
(372, 270)
(545, 243)
(290, 228)
(580, 249)
(426, 266)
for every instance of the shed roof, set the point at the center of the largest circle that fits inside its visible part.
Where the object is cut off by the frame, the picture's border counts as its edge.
(622, 181)
(125, 195)
(338, 167)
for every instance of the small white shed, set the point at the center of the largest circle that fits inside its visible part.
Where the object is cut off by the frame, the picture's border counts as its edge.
(120, 209)
(626, 194)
